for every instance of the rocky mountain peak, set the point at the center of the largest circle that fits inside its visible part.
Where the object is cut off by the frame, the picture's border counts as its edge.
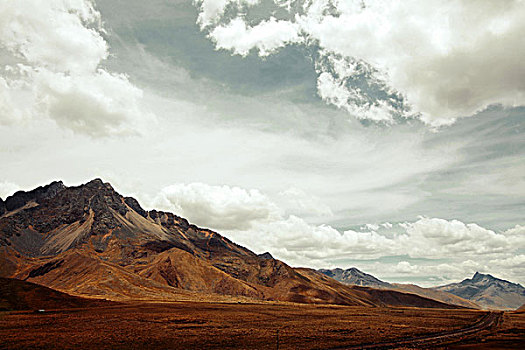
(95, 183)
(55, 218)
(354, 276)
(21, 198)
(63, 218)
(480, 277)
(99, 184)
(265, 255)
(488, 291)
(355, 271)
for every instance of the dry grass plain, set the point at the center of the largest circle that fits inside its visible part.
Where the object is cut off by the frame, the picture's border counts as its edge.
(509, 334)
(196, 325)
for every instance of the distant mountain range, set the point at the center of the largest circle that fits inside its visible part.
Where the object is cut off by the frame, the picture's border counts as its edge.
(353, 276)
(483, 291)
(90, 241)
(488, 291)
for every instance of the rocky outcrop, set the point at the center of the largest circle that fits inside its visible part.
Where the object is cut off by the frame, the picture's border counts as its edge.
(21, 198)
(40, 217)
(134, 204)
(2, 207)
(265, 255)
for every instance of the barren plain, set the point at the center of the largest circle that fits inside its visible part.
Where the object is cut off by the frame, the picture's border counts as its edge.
(202, 325)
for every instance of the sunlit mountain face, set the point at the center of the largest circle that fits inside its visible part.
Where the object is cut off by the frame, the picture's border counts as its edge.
(382, 135)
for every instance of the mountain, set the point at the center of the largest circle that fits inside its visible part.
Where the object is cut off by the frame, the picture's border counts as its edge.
(90, 241)
(21, 295)
(488, 291)
(354, 276)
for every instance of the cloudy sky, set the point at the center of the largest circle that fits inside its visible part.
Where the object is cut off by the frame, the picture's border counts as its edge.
(385, 135)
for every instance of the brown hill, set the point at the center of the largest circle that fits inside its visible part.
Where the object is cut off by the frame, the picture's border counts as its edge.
(442, 296)
(21, 295)
(91, 241)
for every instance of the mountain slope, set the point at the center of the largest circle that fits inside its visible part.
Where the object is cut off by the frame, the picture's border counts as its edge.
(488, 291)
(442, 296)
(20, 295)
(89, 240)
(354, 276)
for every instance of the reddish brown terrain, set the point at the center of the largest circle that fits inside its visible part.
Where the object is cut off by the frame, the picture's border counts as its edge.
(20, 295)
(232, 326)
(508, 334)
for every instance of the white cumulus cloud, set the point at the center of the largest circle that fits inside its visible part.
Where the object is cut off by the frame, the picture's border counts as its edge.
(211, 10)
(56, 34)
(57, 47)
(218, 207)
(266, 37)
(98, 104)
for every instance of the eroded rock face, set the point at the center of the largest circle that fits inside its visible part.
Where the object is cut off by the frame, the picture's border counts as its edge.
(169, 219)
(54, 218)
(47, 211)
(134, 204)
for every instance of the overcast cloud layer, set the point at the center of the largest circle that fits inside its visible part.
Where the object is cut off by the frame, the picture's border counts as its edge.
(307, 129)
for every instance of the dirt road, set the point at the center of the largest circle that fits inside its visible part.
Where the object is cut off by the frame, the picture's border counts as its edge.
(489, 320)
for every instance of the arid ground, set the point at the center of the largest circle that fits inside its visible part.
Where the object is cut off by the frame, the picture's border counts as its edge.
(243, 326)
(509, 334)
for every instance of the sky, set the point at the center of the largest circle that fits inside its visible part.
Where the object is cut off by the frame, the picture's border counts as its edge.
(382, 135)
